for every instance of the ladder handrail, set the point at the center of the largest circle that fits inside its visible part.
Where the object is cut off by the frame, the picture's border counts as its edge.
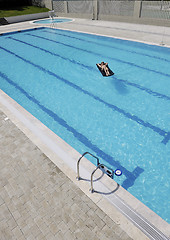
(78, 163)
(99, 166)
(110, 172)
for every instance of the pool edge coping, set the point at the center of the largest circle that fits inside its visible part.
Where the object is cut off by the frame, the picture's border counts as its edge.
(87, 32)
(45, 24)
(121, 38)
(98, 199)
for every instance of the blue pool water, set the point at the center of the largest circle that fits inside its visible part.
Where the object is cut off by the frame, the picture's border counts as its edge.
(122, 119)
(56, 20)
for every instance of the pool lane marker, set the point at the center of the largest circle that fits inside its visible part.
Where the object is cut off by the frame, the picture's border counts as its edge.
(101, 55)
(130, 176)
(56, 32)
(52, 53)
(147, 90)
(124, 208)
(161, 132)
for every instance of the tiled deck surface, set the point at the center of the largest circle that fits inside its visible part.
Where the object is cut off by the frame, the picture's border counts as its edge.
(37, 201)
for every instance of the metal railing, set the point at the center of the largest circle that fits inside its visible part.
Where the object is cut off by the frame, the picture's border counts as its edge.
(110, 172)
(78, 163)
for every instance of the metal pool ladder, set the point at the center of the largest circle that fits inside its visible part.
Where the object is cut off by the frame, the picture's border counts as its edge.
(51, 16)
(146, 227)
(110, 172)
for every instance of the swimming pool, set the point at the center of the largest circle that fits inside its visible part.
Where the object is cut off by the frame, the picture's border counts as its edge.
(55, 20)
(123, 119)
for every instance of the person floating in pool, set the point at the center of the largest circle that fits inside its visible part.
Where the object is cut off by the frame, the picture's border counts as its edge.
(104, 69)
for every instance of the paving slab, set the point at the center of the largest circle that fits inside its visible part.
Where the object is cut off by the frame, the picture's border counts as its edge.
(38, 201)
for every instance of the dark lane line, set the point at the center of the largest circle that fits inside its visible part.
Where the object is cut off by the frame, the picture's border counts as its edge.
(130, 176)
(101, 55)
(105, 45)
(161, 132)
(147, 90)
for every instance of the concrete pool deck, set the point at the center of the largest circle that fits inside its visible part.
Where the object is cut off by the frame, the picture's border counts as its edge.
(39, 189)
(138, 32)
(38, 201)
